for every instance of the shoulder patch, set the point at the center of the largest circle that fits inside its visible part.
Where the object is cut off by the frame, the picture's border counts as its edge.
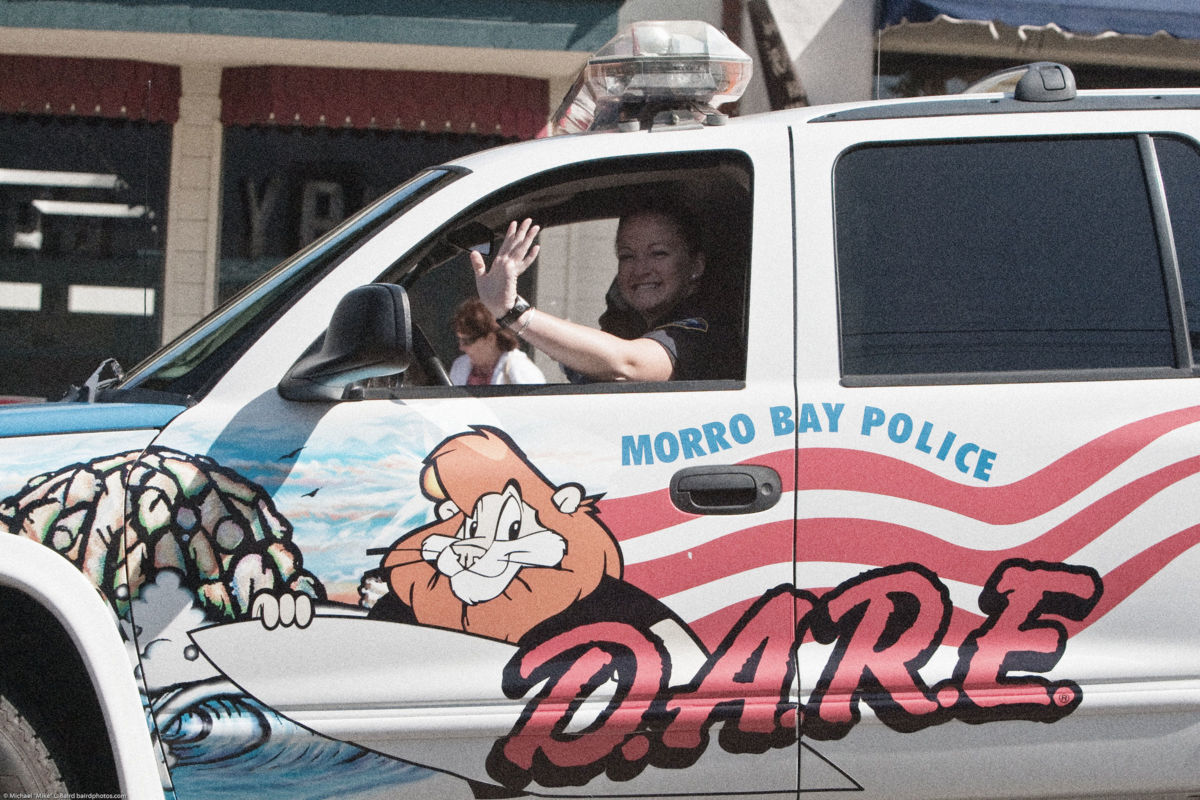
(699, 324)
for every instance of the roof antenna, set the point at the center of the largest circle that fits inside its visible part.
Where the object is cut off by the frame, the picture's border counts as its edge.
(1045, 82)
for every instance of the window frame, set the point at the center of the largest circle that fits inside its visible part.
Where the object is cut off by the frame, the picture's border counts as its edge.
(632, 170)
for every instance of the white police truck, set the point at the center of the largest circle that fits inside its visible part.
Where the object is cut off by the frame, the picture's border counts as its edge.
(932, 531)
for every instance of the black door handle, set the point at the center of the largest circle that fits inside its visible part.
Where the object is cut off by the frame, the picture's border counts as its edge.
(728, 489)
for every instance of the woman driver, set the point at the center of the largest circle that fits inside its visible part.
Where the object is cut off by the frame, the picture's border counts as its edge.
(657, 326)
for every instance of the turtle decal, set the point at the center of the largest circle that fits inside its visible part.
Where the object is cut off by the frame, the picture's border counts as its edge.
(186, 513)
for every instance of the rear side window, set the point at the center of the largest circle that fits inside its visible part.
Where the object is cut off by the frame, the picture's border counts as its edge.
(999, 256)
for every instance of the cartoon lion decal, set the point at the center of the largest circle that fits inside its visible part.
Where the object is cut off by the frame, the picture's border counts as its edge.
(509, 550)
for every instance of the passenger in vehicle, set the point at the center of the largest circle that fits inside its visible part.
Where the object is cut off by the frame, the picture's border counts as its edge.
(490, 355)
(658, 325)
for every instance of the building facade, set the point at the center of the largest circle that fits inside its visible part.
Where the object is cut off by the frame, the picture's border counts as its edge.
(155, 157)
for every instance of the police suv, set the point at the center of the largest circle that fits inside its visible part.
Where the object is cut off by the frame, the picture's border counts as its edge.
(935, 535)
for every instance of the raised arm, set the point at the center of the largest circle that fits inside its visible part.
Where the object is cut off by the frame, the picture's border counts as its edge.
(588, 350)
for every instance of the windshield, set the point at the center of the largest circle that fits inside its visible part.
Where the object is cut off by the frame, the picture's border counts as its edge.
(193, 363)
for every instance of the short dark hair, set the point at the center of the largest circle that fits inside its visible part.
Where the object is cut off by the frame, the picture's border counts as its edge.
(472, 319)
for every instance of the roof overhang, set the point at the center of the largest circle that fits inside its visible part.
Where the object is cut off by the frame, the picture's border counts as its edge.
(545, 39)
(948, 36)
(1179, 18)
(573, 25)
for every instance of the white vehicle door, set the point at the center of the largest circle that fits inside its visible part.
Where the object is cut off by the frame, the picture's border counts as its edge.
(1000, 539)
(310, 621)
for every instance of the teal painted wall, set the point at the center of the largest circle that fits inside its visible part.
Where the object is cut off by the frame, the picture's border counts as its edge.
(573, 25)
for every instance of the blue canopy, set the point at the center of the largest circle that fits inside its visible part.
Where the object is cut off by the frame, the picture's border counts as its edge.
(1180, 18)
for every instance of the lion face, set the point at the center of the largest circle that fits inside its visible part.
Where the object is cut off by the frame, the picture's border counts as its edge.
(509, 549)
(501, 537)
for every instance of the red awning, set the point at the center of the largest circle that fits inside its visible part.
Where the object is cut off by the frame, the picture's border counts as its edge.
(89, 87)
(385, 99)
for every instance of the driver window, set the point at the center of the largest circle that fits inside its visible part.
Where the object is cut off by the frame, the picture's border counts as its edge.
(574, 275)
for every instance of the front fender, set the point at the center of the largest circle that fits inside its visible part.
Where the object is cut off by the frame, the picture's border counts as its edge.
(52, 581)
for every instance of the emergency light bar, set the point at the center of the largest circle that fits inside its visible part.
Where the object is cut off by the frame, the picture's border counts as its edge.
(655, 67)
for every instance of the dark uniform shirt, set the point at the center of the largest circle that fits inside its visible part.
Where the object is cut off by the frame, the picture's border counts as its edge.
(703, 345)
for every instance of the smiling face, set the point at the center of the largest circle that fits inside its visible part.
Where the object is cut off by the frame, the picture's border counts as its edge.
(500, 538)
(655, 266)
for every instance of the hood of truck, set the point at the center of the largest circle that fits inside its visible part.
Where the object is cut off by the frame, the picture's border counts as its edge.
(37, 419)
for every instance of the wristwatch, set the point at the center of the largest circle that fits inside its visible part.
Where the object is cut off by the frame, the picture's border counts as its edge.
(514, 313)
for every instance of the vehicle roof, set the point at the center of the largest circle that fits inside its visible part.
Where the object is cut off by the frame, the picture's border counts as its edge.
(601, 144)
(1006, 103)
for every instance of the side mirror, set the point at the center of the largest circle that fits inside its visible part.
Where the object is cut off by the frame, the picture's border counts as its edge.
(370, 335)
